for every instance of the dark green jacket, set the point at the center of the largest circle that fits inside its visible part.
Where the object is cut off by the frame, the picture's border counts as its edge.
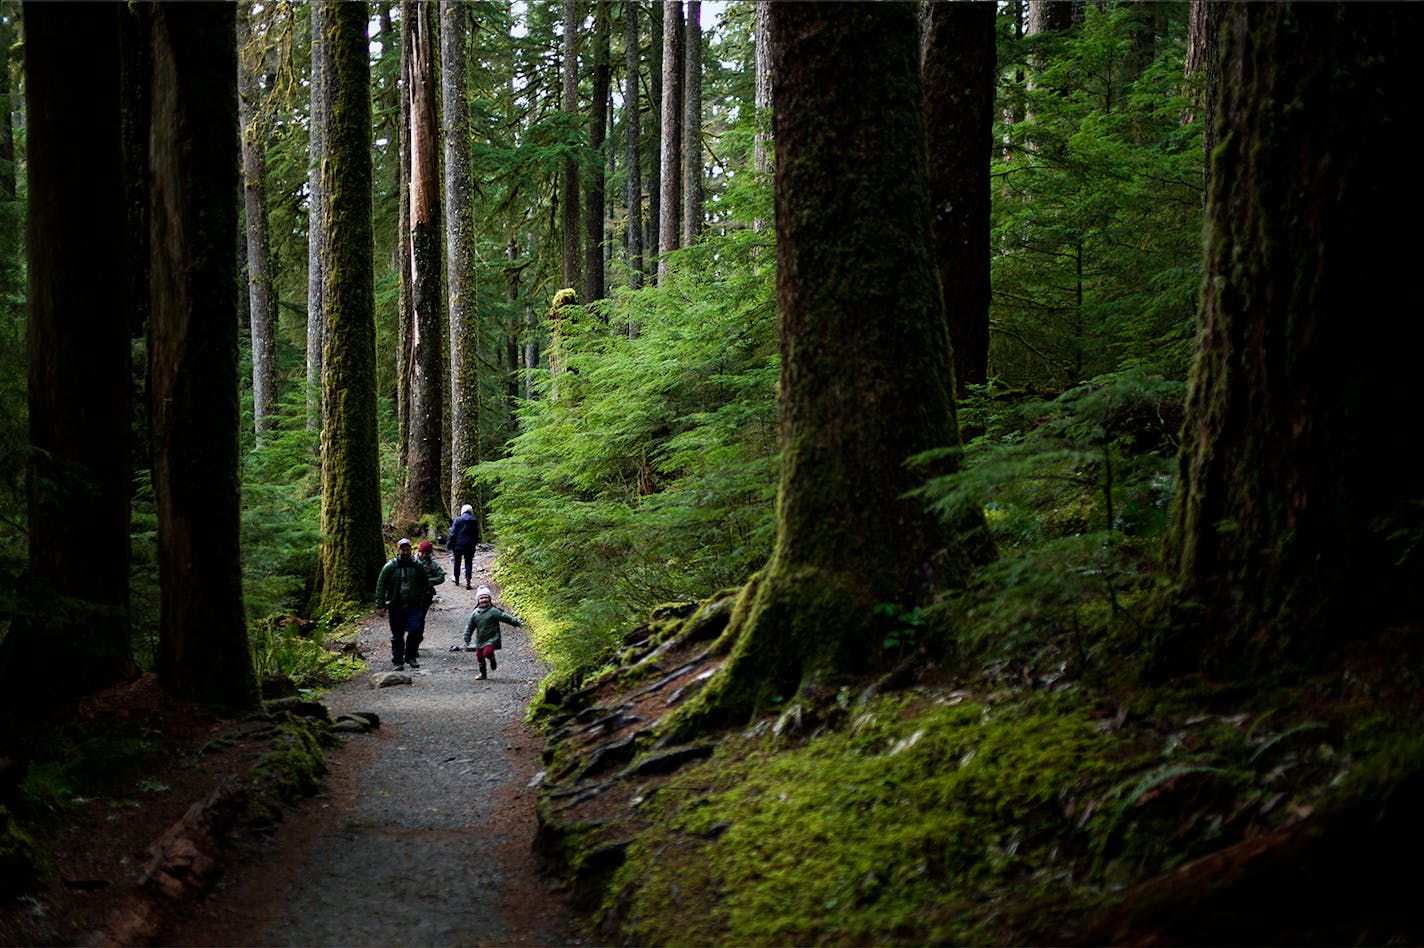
(484, 626)
(403, 585)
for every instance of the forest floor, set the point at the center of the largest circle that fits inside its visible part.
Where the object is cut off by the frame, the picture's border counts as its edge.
(420, 834)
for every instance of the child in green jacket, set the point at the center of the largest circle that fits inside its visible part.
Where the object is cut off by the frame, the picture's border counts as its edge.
(484, 627)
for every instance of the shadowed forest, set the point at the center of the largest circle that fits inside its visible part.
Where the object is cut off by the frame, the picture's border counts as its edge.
(956, 459)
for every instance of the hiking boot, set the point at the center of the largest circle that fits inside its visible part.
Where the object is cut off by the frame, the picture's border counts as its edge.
(413, 663)
(400, 666)
(494, 665)
(481, 676)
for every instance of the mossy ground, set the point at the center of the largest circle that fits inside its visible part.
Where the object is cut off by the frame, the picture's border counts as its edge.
(1003, 809)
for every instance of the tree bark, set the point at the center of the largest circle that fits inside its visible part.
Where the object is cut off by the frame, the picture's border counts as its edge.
(203, 651)
(1204, 59)
(692, 126)
(1290, 535)
(351, 550)
(865, 358)
(652, 242)
(959, 65)
(761, 151)
(460, 258)
(670, 134)
(631, 126)
(594, 287)
(569, 190)
(316, 211)
(261, 292)
(405, 306)
(79, 363)
(425, 491)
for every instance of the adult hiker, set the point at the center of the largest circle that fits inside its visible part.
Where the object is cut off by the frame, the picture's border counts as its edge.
(402, 591)
(464, 534)
(425, 556)
(484, 626)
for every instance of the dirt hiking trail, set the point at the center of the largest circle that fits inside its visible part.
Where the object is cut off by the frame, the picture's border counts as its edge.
(421, 834)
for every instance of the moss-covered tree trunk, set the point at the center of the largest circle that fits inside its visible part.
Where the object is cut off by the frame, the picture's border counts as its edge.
(316, 205)
(1298, 509)
(261, 291)
(203, 651)
(79, 363)
(425, 491)
(670, 133)
(632, 163)
(960, 79)
(460, 259)
(351, 550)
(866, 372)
(692, 125)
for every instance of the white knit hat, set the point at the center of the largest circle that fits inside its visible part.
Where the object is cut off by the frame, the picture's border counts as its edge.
(467, 509)
(483, 591)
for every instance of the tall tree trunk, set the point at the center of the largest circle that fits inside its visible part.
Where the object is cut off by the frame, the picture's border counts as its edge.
(261, 292)
(513, 357)
(631, 126)
(351, 549)
(692, 126)
(460, 258)
(670, 133)
(425, 487)
(652, 235)
(569, 189)
(79, 363)
(316, 211)
(1203, 59)
(405, 307)
(959, 64)
(7, 113)
(1291, 536)
(761, 153)
(597, 133)
(202, 650)
(865, 358)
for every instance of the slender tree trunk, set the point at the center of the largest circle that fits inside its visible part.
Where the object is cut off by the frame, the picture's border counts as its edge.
(670, 133)
(1290, 536)
(405, 307)
(653, 225)
(959, 65)
(866, 372)
(79, 362)
(692, 126)
(351, 550)
(531, 351)
(631, 127)
(761, 153)
(261, 293)
(569, 190)
(597, 133)
(202, 651)
(1203, 59)
(513, 358)
(460, 258)
(316, 212)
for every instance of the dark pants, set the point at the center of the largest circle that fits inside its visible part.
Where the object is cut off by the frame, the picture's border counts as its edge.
(416, 635)
(469, 558)
(405, 631)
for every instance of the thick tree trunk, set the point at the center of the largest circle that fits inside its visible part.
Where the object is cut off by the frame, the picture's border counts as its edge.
(202, 651)
(261, 292)
(351, 550)
(425, 487)
(652, 243)
(865, 367)
(316, 211)
(631, 126)
(594, 288)
(761, 150)
(1292, 533)
(405, 306)
(1204, 60)
(460, 258)
(79, 362)
(959, 64)
(569, 184)
(670, 133)
(692, 126)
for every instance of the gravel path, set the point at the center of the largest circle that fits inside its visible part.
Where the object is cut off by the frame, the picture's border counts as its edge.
(422, 834)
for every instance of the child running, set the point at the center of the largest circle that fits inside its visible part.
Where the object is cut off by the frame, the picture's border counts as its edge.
(484, 626)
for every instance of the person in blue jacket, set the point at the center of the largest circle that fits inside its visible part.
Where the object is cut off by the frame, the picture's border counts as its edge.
(464, 534)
